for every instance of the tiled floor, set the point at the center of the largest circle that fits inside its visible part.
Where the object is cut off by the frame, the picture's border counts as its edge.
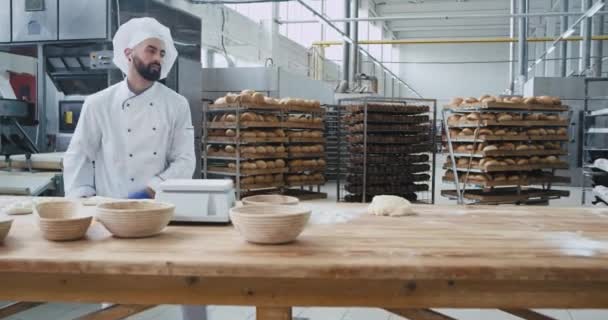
(60, 311)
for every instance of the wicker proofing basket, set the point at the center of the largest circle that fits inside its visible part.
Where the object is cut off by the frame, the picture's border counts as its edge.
(5, 226)
(135, 219)
(270, 224)
(270, 199)
(59, 220)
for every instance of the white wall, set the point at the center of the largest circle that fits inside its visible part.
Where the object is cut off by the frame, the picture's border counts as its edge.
(443, 81)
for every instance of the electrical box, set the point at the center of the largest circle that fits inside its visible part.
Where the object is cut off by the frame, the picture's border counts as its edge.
(69, 113)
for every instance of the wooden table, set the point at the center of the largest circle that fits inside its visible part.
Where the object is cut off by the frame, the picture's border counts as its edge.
(512, 258)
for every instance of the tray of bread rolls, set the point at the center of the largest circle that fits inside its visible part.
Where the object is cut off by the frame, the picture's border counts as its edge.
(510, 134)
(508, 195)
(382, 159)
(510, 179)
(308, 165)
(476, 119)
(387, 188)
(229, 152)
(388, 139)
(388, 128)
(509, 149)
(310, 150)
(541, 103)
(304, 121)
(400, 178)
(490, 164)
(391, 149)
(385, 118)
(390, 169)
(251, 100)
(248, 168)
(398, 108)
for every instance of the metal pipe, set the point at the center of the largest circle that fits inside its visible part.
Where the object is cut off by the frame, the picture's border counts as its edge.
(598, 49)
(363, 51)
(40, 98)
(346, 49)
(522, 44)
(512, 49)
(585, 46)
(564, 44)
(442, 17)
(354, 28)
(453, 41)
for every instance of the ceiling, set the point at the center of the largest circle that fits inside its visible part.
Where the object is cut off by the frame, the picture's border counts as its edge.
(461, 28)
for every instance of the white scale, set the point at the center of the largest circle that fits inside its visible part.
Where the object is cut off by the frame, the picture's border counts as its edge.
(201, 200)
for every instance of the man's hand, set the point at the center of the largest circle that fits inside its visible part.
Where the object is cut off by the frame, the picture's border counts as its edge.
(151, 193)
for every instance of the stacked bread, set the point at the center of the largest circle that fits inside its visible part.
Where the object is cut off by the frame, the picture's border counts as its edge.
(306, 148)
(248, 133)
(503, 141)
(486, 98)
(258, 98)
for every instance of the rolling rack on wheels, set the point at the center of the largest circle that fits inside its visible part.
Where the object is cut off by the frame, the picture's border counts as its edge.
(389, 149)
(498, 150)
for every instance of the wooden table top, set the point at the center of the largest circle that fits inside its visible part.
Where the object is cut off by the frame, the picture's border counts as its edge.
(441, 242)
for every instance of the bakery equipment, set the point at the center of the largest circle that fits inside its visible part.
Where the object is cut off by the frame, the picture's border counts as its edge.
(199, 200)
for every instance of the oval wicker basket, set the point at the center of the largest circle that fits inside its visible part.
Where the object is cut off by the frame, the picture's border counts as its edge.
(270, 224)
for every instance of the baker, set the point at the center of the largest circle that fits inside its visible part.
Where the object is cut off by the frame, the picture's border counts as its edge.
(137, 133)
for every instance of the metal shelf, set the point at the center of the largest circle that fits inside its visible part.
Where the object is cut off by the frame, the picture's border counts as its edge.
(597, 130)
(597, 113)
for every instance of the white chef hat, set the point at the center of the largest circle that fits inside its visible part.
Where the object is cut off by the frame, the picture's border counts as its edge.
(136, 30)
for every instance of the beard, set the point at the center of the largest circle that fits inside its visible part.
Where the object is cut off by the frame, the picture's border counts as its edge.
(146, 71)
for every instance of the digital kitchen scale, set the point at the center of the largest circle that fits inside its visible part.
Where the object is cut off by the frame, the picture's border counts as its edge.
(200, 200)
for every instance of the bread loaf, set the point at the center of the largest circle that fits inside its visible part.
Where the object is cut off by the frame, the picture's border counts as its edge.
(247, 180)
(279, 163)
(260, 179)
(248, 116)
(229, 149)
(231, 98)
(522, 162)
(270, 164)
(500, 132)
(230, 133)
(260, 149)
(279, 133)
(456, 101)
(504, 117)
(221, 100)
(490, 148)
(488, 116)
(471, 100)
(258, 97)
(260, 134)
(467, 132)
(474, 116)
(454, 117)
(500, 177)
(530, 100)
(248, 150)
(280, 149)
(248, 134)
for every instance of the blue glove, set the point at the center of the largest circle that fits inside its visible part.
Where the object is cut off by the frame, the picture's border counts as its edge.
(139, 195)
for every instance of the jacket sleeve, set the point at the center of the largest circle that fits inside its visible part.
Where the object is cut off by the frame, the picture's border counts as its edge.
(78, 170)
(181, 156)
